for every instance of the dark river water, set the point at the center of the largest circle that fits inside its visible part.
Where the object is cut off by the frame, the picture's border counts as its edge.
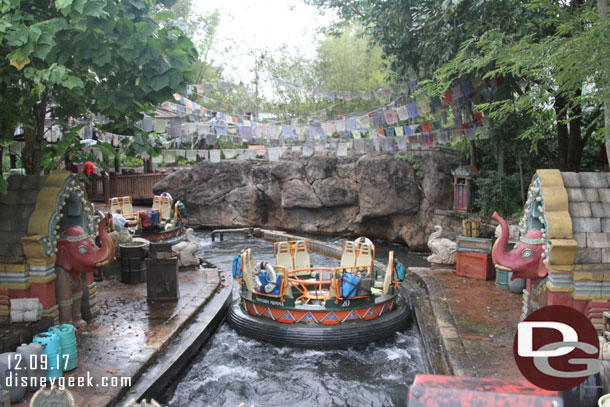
(236, 371)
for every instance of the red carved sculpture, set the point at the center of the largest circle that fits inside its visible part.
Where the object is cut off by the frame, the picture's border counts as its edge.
(78, 254)
(526, 259)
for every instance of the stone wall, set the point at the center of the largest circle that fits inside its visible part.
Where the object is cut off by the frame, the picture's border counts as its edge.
(374, 194)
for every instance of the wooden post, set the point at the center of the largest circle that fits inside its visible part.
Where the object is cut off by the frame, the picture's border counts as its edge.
(117, 163)
(148, 166)
(106, 186)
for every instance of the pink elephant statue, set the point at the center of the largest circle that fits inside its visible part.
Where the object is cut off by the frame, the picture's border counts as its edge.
(526, 259)
(78, 254)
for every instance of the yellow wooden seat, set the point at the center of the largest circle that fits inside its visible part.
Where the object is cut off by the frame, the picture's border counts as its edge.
(365, 255)
(283, 257)
(348, 258)
(156, 205)
(246, 267)
(365, 258)
(248, 277)
(115, 205)
(387, 278)
(166, 208)
(127, 205)
(301, 255)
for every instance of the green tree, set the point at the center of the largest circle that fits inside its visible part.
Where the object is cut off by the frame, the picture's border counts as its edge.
(291, 77)
(73, 58)
(345, 60)
(537, 48)
(210, 66)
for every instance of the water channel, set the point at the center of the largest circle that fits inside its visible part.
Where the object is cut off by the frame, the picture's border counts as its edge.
(232, 369)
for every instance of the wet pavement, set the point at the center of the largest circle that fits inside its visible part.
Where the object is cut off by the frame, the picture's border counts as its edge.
(475, 320)
(467, 325)
(129, 334)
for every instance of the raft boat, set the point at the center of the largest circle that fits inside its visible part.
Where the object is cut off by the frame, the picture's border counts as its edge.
(291, 303)
(164, 221)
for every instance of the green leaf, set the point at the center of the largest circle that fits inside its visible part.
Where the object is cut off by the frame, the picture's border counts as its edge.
(8, 5)
(17, 37)
(168, 3)
(79, 6)
(63, 4)
(159, 82)
(72, 82)
(164, 15)
(137, 4)
(35, 33)
(39, 89)
(4, 25)
(3, 186)
(103, 59)
(95, 9)
(41, 51)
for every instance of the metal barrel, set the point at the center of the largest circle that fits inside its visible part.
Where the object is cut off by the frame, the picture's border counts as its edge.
(133, 267)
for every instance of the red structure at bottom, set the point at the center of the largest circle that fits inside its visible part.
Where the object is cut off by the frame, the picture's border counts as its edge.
(474, 265)
(445, 391)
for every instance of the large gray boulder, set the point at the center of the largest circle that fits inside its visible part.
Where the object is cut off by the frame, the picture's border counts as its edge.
(375, 195)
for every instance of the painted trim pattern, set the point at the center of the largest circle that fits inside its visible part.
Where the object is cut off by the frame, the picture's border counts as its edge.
(322, 317)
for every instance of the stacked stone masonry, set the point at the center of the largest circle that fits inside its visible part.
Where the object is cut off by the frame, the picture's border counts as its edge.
(589, 206)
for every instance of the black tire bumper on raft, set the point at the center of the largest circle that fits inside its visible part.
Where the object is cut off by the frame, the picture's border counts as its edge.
(353, 333)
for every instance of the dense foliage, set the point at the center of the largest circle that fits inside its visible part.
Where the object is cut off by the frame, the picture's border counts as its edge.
(69, 59)
(549, 62)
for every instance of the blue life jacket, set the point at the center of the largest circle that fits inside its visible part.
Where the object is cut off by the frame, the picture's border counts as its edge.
(154, 217)
(349, 285)
(400, 271)
(264, 279)
(237, 272)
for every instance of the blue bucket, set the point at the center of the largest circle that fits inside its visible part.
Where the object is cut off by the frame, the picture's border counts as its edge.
(67, 340)
(52, 349)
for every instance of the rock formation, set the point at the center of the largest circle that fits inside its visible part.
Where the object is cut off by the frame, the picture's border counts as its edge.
(374, 195)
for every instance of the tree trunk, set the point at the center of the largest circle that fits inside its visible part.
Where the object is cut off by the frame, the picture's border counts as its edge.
(602, 8)
(117, 165)
(575, 146)
(501, 160)
(562, 131)
(522, 181)
(472, 153)
(148, 166)
(31, 157)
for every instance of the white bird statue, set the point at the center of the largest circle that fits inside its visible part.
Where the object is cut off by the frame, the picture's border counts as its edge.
(443, 250)
(513, 232)
(186, 250)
